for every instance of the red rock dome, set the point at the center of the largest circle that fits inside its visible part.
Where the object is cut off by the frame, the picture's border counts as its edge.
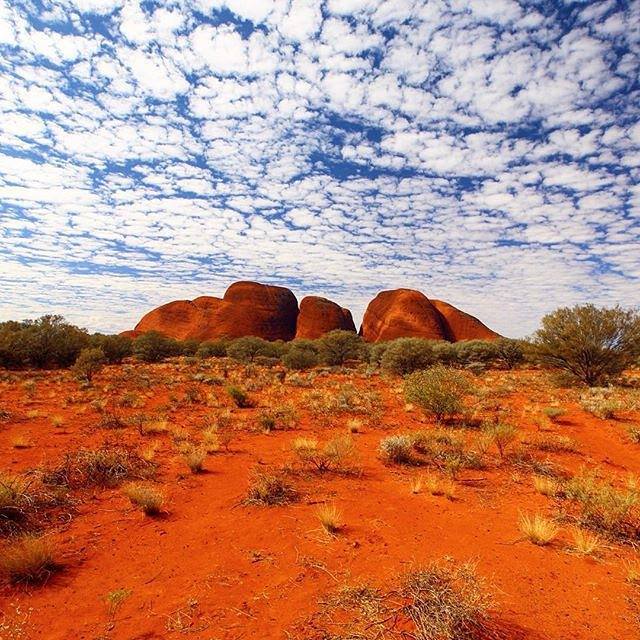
(247, 309)
(461, 325)
(405, 313)
(319, 316)
(402, 313)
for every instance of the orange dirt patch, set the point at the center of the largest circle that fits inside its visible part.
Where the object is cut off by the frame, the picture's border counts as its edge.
(213, 567)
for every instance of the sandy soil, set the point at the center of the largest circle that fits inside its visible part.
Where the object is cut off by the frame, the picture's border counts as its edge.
(215, 568)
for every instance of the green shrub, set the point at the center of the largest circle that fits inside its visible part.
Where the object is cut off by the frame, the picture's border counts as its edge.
(47, 342)
(248, 348)
(406, 355)
(338, 346)
(239, 396)
(188, 347)
(444, 352)
(377, 351)
(300, 357)
(154, 347)
(509, 352)
(88, 363)
(212, 349)
(438, 391)
(593, 344)
(115, 348)
(475, 351)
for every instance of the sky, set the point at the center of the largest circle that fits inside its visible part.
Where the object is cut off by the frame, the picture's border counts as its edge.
(485, 152)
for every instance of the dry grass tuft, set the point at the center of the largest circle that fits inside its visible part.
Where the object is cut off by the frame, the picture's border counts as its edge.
(537, 529)
(337, 455)
(330, 518)
(29, 560)
(437, 486)
(585, 543)
(194, 458)
(545, 485)
(149, 498)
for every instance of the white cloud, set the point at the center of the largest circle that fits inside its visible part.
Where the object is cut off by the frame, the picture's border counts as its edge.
(352, 146)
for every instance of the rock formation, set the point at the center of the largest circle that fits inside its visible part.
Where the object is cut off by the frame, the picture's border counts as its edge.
(247, 309)
(271, 312)
(401, 313)
(319, 316)
(461, 325)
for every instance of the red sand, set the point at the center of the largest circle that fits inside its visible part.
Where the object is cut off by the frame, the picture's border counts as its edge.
(216, 569)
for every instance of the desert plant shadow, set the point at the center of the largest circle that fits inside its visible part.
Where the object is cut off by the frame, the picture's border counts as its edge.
(498, 628)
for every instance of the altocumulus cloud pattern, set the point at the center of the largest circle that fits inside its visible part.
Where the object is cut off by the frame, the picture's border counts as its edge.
(486, 152)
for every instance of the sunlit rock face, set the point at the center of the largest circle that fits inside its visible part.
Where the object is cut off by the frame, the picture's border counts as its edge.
(406, 313)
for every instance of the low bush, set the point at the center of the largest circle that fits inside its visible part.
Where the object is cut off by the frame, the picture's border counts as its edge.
(212, 349)
(88, 363)
(406, 355)
(239, 397)
(269, 488)
(277, 419)
(299, 357)
(600, 403)
(502, 435)
(397, 450)
(447, 602)
(248, 348)
(107, 466)
(438, 391)
(603, 507)
(475, 351)
(115, 348)
(508, 352)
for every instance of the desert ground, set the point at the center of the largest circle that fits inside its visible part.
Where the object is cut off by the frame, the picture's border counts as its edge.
(325, 557)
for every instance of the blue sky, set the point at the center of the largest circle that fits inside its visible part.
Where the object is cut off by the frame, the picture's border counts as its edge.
(486, 152)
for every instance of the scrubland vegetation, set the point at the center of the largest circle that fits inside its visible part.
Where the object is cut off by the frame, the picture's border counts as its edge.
(196, 488)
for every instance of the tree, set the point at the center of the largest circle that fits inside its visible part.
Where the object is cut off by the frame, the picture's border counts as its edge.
(299, 357)
(338, 346)
(88, 363)
(592, 343)
(49, 341)
(116, 348)
(248, 348)
(154, 347)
